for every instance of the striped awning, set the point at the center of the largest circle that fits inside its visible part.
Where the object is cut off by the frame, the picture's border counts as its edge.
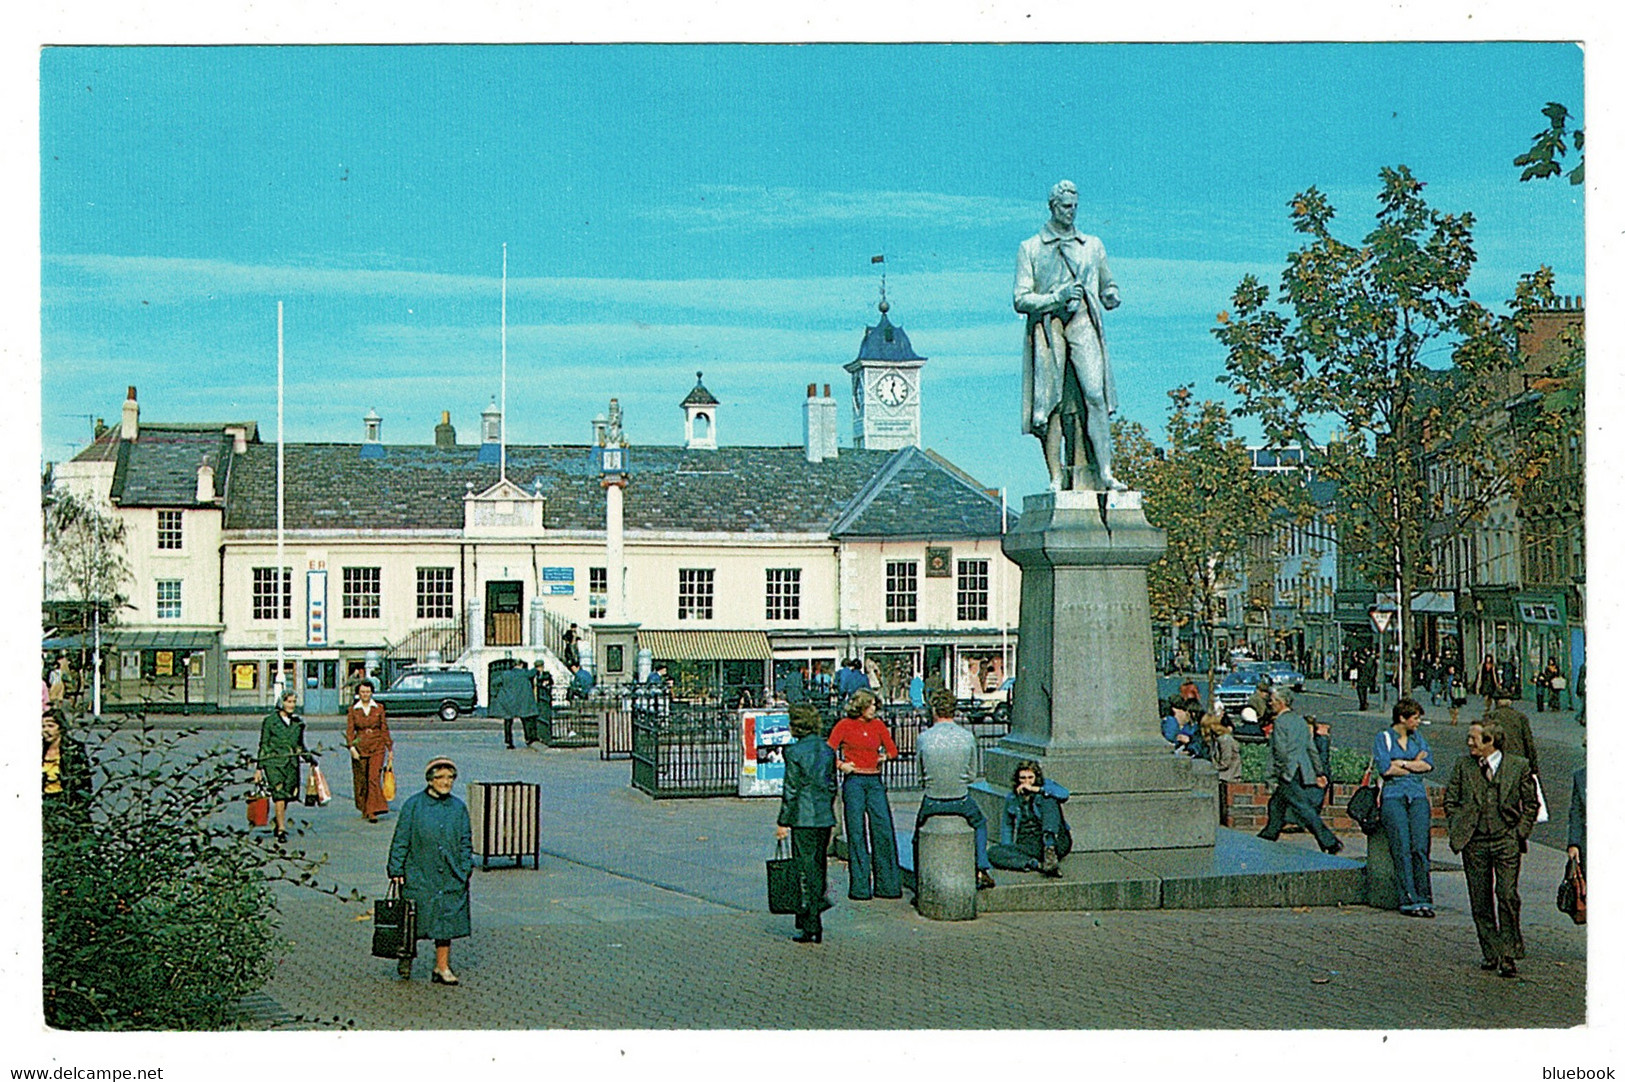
(706, 645)
(132, 639)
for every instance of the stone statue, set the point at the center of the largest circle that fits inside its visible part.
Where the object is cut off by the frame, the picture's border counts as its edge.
(1067, 392)
(613, 436)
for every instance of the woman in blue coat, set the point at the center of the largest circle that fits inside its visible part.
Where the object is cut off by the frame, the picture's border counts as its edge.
(432, 857)
(806, 816)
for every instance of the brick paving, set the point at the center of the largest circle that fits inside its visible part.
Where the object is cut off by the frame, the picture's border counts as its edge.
(651, 915)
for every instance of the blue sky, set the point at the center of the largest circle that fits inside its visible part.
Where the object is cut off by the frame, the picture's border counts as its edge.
(669, 209)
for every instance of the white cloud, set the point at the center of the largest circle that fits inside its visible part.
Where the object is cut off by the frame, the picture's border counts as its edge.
(736, 207)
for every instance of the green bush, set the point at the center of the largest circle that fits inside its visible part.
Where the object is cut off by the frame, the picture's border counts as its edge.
(1348, 765)
(158, 906)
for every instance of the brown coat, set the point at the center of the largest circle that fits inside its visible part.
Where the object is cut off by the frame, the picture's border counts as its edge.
(1510, 800)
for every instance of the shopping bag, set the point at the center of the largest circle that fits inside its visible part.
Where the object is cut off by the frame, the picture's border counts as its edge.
(783, 883)
(386, 781)
(316, 789)
(394, 925)
(1571, 892)
(259, 809)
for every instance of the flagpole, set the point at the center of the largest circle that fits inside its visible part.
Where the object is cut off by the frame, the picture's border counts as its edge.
(1004, 612)
(502, 422)
(283, 585)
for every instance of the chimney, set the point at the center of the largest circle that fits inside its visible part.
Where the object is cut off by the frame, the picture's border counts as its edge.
(132, 416)
(445, 436)
(239, 438)
(205, 481)
(818, 425)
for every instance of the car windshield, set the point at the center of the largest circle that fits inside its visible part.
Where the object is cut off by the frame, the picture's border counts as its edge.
(1236, 679)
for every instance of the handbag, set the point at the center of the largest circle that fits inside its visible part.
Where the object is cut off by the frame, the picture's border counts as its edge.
(259, 808)
(1365, 806)
(386, 780)
(394, 925)
(1571, 892)
(1557, 683)
(1542, 815)
(316, 789)
(783, 883)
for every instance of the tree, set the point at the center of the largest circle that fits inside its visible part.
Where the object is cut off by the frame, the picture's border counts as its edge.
(1347, 344)
(1548, 148)
(1202, 491)
(84, 551)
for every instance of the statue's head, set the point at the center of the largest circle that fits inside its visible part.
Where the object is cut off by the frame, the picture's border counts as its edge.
(1062, 189)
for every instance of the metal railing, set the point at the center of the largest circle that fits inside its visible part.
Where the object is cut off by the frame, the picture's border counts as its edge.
(448, 638)
(683, 749)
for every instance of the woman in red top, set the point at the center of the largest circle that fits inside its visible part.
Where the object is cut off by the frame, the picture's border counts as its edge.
(367, 734)
(862, 742)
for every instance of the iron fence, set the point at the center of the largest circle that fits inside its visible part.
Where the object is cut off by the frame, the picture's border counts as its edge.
(683, 749)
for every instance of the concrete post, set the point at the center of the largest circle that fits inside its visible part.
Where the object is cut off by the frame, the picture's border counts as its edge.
(946, 872)
(1381, 878)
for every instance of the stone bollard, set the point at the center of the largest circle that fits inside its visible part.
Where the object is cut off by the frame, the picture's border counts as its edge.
(1381, 879)
(945, 873)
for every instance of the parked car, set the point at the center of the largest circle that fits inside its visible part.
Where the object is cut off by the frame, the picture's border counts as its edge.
(1284, 675)
(1235, 689)
(423, 690)
(993, 707)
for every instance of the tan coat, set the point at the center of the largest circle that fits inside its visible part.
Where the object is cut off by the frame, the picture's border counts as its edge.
(1046, 264)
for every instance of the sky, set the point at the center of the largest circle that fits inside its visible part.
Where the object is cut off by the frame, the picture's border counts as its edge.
(682, 208)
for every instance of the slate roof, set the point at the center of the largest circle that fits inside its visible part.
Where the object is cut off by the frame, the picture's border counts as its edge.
(885, 341)
(699, 396)
(159, 469)
(865, 493)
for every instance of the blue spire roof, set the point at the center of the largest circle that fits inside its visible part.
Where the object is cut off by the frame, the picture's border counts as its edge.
(885, 341)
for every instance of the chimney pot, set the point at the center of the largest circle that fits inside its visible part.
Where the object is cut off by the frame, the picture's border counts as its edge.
(205, 481)
(826, 390)
(129, 395)
(812, 390)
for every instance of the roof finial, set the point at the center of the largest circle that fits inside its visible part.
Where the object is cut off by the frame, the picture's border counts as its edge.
(699, 377)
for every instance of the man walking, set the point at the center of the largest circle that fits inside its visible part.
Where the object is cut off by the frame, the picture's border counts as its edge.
(1490, 804)
(947, 753)
(1297, 775)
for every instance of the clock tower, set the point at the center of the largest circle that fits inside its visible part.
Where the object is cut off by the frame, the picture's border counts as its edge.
(885, 388)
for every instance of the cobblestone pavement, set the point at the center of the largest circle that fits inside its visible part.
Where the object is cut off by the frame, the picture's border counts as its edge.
(651, 915)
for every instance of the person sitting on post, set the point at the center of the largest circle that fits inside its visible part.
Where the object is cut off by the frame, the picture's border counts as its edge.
(1179, 726)
(1034, 836)
(947, 755)
(580, 683)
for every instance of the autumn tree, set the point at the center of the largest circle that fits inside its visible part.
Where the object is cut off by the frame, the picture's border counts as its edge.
(1548, 148)
(1358, 342)
(85, 562)
(1201, 490)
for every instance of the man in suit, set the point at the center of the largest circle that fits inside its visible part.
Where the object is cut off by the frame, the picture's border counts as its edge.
(1293, 766)
(806, 814)
(1490, 804)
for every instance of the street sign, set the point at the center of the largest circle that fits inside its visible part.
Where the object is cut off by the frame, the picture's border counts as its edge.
(1380, 620)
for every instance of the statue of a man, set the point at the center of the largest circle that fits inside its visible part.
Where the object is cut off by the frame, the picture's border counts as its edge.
(1067, 392)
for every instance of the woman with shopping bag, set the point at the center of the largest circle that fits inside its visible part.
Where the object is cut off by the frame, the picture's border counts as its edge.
(806, 814)
(366, 732)
(431, 857)
(282, 745)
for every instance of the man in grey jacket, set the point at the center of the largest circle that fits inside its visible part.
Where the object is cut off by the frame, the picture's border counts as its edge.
(1294, 768)
(947, 753)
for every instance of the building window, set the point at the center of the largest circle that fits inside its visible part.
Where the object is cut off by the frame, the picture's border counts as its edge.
(902, 591)
(597, 593)
(169, 530)
(973, 590)
(696, 593)
(436, 600)
(784, 593)
(169, 599)
(362, 587)
(265, 590)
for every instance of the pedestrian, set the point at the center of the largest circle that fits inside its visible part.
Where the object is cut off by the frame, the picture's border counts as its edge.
(572, 651)
(513, 697)
(544, 703)
(366, 732)
(916, 691)
(580, 684)
(1219, 738)
(1365, 679)
(1179, 725)
(1519, 738)
(431, 858)
(947, 756)
(65, 768)
(1401, 757)
(1548, 683)
(1260, 700)
(1296, 775)
(1454, 692)
(862, 744)
(282, 746)
(1491, 803)
(806, 816)
(1489, 682)
(793, 686)
(1189, 690)
(1034, 835)
(1577, 819)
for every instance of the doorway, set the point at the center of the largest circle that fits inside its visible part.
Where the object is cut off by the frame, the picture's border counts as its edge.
(504, 613)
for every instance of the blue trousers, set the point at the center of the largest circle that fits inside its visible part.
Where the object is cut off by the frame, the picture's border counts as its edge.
(1407, 821)
(871, 841)
(967, 810)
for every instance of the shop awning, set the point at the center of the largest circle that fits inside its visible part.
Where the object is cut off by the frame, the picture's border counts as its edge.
(706, 645)
(132, 639)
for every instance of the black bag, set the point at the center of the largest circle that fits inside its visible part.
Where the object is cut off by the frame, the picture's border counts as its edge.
(783, 883)
(394, 925)
(1571, 893)
(1365, 806)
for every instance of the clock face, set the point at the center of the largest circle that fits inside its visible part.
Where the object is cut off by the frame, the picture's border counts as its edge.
(892, 389)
